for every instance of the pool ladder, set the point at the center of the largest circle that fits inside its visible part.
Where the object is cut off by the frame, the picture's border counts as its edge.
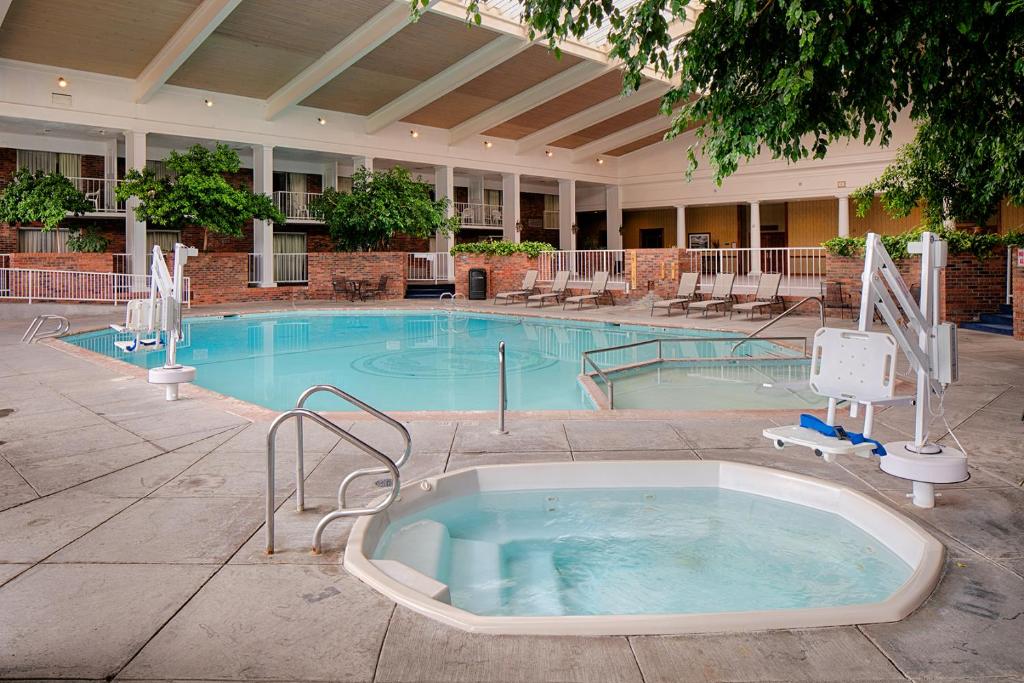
(33, 333)
(387, 466)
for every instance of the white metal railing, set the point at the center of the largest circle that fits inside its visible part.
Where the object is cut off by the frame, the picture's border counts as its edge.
(289, 268)
(431, 266)
(479, 214)
(551, 219)
(100, 193)
(802, 268)
(33, 284)
(294, 205)
(582, 264)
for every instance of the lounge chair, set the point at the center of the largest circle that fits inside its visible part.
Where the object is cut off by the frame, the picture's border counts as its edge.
(721, 295)
(371, 292)
(525, 290)
(598, 289)
(684, 295)
(766, 296)
(557, 291)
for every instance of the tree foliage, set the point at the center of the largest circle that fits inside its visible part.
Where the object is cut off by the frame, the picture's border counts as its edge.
(382, 204)
(87, 240)
(981, 245)
(793, 77)
(197, 193)
(39, 197)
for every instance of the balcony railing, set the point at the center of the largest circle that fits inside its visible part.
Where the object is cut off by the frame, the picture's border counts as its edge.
(431, 266)
(289, 268)
(100, 193)
(295, 205)
(35, 284)
(487, 215)
(802, 268)
(582, 264)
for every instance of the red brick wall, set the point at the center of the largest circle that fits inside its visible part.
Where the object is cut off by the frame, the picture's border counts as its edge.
(92, 166)
(8, 164)
(8, 238)
(325, 268)
(657, 271)
(531, 208)
(504, 273)
(971, 286)
(1018, 299)
(407, 243)
(847, 271)
(90, 263)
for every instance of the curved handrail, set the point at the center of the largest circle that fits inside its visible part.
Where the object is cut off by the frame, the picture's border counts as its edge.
(453, 297)
(366, 408)
(780, 316)
(32, 334)
(299, 414)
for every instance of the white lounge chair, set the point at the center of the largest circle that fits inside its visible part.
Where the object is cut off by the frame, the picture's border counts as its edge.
(525, 290)
(721, 295)
(598, 289)
(684, 295)
(766, 296)
(557, 291)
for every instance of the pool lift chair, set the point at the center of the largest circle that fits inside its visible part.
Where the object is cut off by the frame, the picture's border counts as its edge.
(160, 314)
(859, 366)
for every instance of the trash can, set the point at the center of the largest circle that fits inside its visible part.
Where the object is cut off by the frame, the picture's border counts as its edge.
(477, 283)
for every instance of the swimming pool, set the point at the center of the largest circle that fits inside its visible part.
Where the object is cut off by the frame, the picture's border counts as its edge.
(412, 361)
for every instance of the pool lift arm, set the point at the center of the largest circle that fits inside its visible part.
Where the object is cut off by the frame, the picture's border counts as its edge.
(854, 364)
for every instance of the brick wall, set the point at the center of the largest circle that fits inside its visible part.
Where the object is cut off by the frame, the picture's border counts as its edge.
(8, 164)
(656, 270)
(92, 166)
(325, 268)
(971, 286)
(504, 273)
(531, 209)
(1018, 299)
(847, 271)
(8, 238)
(90, 263)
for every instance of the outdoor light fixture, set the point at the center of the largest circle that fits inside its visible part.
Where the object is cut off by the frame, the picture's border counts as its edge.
(321, 120)
(548, 153)
(414, 133)
(519, 226)
(62, 82)
(600, 160)
(488, 144)
(574, 228)
(208, 102)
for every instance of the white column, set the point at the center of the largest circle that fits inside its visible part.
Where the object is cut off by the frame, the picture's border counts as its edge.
(444, 187)
(613, 216)
(566, 214)
(135, 229)
(755, 238)
(110, 171)
(362, 162)
(844, 215)
(681, 227)
(330, 175)
(510, 211)
(263, 231)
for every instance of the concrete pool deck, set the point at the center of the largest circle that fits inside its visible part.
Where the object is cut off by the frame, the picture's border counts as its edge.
(130, 542)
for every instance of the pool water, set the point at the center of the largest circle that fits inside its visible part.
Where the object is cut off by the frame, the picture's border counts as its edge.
(413, 361)
(640, 551)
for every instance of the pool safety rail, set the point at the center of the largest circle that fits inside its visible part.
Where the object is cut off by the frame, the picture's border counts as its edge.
(587, 360)
(387, 465)
(784, 314)
(35, 330)
(502, 389)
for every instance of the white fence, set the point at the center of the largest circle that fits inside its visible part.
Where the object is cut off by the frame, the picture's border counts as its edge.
(479, 214)
(295, 205)
(289, 268)
(582, 264)
(431, 266)
(100, 193)
(802, 268)
(32, 284)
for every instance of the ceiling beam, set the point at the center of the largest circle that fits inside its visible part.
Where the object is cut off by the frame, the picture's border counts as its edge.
(622, 137)
(4, 6)
(354, 47)
(547, 90)
(434, 88)
(589, 117)
(197, 28)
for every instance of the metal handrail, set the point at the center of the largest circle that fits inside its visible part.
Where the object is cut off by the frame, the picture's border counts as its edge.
(502, 391)
(780, 316)
(452, 297)
(32, 334)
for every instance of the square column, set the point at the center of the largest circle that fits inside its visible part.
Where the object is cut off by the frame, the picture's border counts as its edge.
(510, 211)
(263, 231)
(613, 216)
(330, 175)
(362, 162)
(681, 227)
(566, 215)
(444, 187)
(110, 173)
(135, 229)
(755, 238)
(844, 215)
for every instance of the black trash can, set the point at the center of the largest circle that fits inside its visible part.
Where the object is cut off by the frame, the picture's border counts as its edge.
(477, 283)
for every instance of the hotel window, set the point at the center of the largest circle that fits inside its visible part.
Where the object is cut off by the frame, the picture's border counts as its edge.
(551, 212)
(37, 240)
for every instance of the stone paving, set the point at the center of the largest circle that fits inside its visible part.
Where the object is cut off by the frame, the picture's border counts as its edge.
(131, 544)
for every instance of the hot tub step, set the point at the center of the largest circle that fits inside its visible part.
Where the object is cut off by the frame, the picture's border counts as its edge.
(425, 546)
(475, 573)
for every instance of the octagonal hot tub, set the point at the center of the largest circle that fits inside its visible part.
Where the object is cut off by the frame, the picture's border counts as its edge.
(603, 548)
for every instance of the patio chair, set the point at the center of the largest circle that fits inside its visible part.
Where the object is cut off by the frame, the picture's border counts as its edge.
(684, 295)
(598, 289)
(833, 296)
(339, 287)
(94, 198)
(557, 291)
(375, 292)
(766, 296)
(721, 295)
(526, 289)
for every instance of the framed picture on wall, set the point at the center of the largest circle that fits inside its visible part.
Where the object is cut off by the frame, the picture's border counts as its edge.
(698, 240)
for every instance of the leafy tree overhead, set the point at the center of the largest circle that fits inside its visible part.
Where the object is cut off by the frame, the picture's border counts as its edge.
(39, 197)
(381, 205)
(197, 193)
(793, 77)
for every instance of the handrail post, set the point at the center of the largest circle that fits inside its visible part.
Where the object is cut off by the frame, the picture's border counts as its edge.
(502, 392)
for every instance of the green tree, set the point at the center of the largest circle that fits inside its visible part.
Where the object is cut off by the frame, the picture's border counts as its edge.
(197, 193)
(793, 77)
(382, 204)
(39, 197)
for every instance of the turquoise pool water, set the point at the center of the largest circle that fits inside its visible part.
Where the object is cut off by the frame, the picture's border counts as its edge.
(413, 361)
(641, 551)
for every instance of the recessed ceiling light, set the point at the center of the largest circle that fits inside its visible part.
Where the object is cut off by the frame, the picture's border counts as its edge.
(600, 160)
(208, 102)
(102, 132)
(549, 153)
(488, 144)
(62, 82)
(414, 133)
(45, 131)
(321, 120)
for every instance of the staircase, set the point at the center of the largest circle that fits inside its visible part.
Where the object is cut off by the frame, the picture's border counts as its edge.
(995, 323)
(429, 291)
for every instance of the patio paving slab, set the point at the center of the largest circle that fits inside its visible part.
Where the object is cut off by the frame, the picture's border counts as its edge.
(236, 474)
(323, 482)
(418, 650)
(106, 613)
(790, 459)
(834, 654)
(681, 454)
(458, 461)
(283, 622)
(18, 426)
(479, 437)
(49, 472)
(622, 435)
(82, 440)
(427, 437)
(13, 487)
(253, 438)
(972, 626)
(169, 530)
(9, 571)
(727, 431)
(293, 536)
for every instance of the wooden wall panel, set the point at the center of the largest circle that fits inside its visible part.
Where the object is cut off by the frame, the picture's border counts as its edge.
(635, 220)
(722, 221)
(813, 221)
(1011, 217)
(878, 221)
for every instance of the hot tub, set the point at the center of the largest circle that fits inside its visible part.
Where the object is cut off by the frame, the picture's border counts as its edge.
(630, 548)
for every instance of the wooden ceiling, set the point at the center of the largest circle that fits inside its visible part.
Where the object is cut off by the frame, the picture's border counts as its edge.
(116, 37)
(636, 115)
(637, 144)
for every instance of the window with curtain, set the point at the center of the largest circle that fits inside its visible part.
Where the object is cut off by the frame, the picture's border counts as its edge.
(164, 239)
(492, 197)
(344, 185)
(295, 206)
(551, 212)
(70, 165)
(287, 266)
(36, 240)
(37, 161)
